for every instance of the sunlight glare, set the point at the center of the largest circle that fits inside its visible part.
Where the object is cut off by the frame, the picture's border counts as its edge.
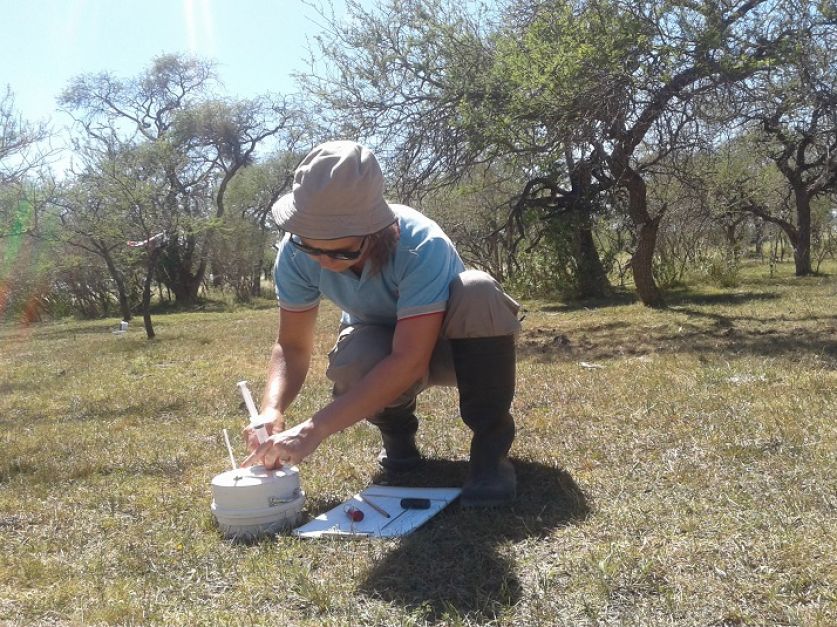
(200, 37)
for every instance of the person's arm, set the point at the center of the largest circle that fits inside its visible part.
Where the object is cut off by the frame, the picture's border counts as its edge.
(412, 346)
(287, 369)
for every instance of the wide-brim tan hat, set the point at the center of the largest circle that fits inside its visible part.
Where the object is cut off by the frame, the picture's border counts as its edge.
(338, 191)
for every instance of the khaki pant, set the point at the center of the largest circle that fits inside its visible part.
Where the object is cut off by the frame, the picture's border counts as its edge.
(478, 307)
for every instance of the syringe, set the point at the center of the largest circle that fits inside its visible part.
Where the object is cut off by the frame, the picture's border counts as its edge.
(255, 423)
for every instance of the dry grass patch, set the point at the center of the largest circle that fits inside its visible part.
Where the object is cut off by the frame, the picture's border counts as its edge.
(676, 466)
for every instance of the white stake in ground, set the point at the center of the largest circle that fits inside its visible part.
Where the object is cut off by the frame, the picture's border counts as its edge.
(229, 449)
(255, 423)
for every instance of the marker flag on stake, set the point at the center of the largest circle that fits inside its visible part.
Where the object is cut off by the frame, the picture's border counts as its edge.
(158, 240)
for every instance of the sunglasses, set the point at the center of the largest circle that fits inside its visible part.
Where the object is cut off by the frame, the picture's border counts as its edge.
(339, 255)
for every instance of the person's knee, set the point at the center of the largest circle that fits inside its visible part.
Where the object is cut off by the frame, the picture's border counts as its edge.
(357, 351)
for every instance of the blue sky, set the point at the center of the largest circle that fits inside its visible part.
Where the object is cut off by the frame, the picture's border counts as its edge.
(257, 43)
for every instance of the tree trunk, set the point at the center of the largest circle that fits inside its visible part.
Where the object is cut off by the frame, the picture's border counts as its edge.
(153, 256)
(642, 261)
(592, 280)
(732, 236)
(759, 236)
(121, 292)
(256, 282)
(802, 245)
(642, 264)
(177, 272)
(185, 291)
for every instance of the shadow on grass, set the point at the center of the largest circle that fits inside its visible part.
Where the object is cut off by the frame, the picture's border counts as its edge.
(704, 331)
(687, 297)
(455, 565)
(208, 305)
(723, 335)
(110, 323)
(15, 387)
(73, 331)
(615, 299)
(671, 298)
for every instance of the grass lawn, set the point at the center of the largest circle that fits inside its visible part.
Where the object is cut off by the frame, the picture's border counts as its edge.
(676, 466)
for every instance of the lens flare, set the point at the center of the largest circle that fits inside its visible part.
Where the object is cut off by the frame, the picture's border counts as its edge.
(17, 267)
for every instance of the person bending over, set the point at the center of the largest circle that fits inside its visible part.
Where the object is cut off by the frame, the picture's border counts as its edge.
(412, 317)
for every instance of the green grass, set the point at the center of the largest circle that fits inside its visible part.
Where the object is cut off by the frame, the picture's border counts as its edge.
(676, 466)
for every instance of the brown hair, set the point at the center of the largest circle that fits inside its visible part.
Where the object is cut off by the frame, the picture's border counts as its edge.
(382, 246)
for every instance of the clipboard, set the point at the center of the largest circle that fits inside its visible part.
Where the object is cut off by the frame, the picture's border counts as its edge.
(335, 523)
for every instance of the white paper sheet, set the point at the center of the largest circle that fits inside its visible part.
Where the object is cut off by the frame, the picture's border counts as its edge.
(335, 523)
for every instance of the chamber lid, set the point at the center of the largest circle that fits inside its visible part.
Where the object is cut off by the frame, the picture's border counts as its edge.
(255, 476)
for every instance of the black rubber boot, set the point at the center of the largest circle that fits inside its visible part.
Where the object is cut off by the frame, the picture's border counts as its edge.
(398, 426)
(485, 374)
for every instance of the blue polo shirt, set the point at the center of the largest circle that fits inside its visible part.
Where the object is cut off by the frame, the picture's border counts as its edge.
(414, 282)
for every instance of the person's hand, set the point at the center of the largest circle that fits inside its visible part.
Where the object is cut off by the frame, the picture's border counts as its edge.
(288, 447)
(274, 423)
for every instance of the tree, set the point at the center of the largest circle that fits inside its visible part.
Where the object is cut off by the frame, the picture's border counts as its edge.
(246, 251)
(199, 142)
(90, 224)
(27, 267)
(794, 107)
(120, 197)
(581, 96)
(24, 273)
(474, 213)
(622, 77)
(409, 77)
(20, 150)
